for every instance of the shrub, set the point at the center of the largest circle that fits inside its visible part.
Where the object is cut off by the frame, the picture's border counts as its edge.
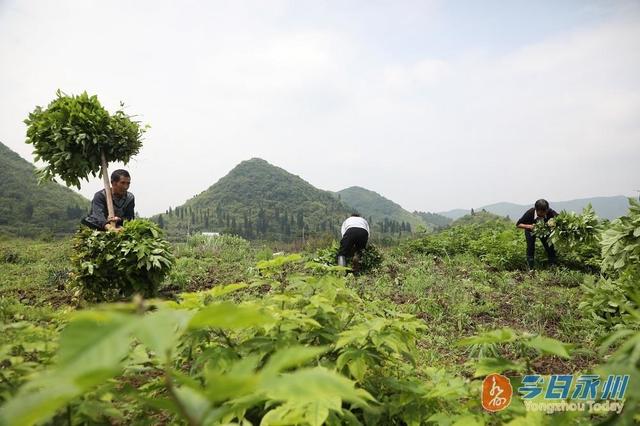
(111, 265)
(371, 256)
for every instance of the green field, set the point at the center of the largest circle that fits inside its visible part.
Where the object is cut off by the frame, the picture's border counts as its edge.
(237, 335)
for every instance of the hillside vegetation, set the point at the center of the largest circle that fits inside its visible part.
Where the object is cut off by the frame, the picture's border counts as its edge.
(257, 200)
(383, 214)
(30, 209)
(240, 335)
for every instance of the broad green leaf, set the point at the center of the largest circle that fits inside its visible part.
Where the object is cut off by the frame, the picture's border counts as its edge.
(95, 341)
(161, 330)
(486, 366)
(502, 335)
(356, 334)
(39, 401)
(229, 316)
(194, 402)
(313, 384)
(286, 414)
(549, 346)
(238, 381)
(292, 356)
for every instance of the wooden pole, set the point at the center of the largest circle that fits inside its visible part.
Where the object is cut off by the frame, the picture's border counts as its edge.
(107, 185)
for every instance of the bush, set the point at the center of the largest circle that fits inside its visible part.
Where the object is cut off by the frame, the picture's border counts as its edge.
(370, 259)
(501, 246)
(621, 242)
(497, 243)
(112, 265)
(612, 299)
(185, 270)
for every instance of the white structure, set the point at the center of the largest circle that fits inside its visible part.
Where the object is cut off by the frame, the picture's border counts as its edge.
(211, 234)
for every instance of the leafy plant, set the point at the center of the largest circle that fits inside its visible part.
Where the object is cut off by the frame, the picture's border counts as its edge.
(308, 353)
(612, 297)
(525, 346)
(573, 229)
(542, 229)
(497, 243)
(370, 258)
(621, 242)
(72, 134)
(111, 265)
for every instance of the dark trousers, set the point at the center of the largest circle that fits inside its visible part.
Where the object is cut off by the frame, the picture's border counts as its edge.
(354, 240)
(531, 247)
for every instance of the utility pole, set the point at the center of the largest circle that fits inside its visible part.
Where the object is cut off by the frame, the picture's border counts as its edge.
(638, 191)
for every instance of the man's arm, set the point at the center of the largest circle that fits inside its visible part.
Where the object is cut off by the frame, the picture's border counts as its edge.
(526, 221)
(98, 216)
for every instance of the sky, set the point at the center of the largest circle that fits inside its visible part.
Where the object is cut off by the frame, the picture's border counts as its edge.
(434, 104)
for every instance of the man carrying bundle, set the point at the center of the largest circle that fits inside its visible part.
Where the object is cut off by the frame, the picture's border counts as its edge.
(355, 234)
(540, 212)
(123, 204)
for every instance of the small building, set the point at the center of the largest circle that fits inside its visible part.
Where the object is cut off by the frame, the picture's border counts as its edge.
(211, 234)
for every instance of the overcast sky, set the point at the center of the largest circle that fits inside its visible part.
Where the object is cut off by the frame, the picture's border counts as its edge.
(433, 104)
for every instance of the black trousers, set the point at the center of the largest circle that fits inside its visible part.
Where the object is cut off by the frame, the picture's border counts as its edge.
(531, 247)
(355, 239)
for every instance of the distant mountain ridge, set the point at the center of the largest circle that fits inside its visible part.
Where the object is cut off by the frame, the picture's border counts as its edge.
(605, 207)
(376, 208)
(29, 209)
(258, 200)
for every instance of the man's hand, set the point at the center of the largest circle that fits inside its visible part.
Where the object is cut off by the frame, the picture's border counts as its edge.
(111, 227)
(113, 219)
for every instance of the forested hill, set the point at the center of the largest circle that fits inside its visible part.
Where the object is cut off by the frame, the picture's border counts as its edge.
(29, 209)
(436, 220)
(381, 212)
(258, 201)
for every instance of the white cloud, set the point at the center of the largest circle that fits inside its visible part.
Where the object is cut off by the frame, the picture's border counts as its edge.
(224, 82)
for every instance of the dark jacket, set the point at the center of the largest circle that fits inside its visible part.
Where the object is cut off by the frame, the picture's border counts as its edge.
(122, 207)
(528, 217)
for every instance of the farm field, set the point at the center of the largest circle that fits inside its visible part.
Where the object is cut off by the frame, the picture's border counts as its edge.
(236, 335)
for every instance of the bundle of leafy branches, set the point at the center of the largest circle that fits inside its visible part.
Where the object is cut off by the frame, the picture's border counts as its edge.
(542, 229)
(576, 236)
(73, 133)
(112, 265)
(370, 258)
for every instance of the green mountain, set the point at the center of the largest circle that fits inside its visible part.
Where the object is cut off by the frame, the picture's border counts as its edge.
(382, 213)
(28, 209)
(605, 207)
(258, 201)
(478, 217)
(438, 221)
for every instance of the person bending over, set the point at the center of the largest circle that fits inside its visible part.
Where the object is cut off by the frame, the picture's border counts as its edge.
(355, 234)
(540, 212)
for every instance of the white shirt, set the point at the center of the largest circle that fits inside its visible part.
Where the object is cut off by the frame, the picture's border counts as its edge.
(354, 222)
